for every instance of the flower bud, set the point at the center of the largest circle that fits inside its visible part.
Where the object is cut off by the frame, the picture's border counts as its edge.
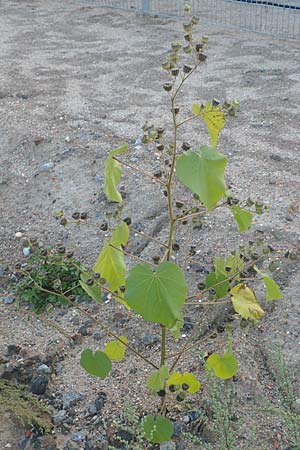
(186, 8)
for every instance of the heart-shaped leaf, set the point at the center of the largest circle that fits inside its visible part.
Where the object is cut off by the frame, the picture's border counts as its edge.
(157, 429)
(203, 174)
(115, 350)
(214, 118)
(97, 364)
(223, 366)
(157, 296)
(244, 302)
(113, 172)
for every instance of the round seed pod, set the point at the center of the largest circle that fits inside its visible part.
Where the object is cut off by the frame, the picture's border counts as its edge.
(175, 72)
(185, 146)
(76, 215)
(167, 87)
(187, 69)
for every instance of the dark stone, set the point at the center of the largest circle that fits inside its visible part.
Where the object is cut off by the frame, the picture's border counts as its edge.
(79, 436)
(125, 435)
(193, 415)
(39, 384)
(187, 325)
(100, 401)
(83, 330)
(149, 339)
(98, 335)
(8, 300)
(179, 428)
(70, 398)
(59, 417)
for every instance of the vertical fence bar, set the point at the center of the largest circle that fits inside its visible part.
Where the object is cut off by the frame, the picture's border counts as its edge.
(145, 6)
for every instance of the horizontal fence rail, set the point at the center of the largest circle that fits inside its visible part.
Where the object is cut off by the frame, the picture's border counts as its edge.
(280, 18)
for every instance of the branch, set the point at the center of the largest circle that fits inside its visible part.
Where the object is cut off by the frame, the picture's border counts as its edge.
(131, 255)
(143, 172)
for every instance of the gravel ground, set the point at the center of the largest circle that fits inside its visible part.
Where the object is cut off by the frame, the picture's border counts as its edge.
(76, 81)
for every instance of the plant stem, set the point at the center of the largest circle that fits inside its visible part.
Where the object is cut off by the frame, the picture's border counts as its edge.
(131, 255)
(137, 169)
(163, 346)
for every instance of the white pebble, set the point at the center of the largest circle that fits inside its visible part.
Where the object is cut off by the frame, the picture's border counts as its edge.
(18, 234)
(26, 251)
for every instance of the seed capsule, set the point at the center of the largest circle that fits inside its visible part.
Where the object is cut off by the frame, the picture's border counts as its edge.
(76, 215)
(175, 72)
(69, 254)
(186, 146)
(83, 216)
(156, 259)
(158, 174)
(96, 275)
(176, 46)
(199, 47)
(63, 221)
(160, 131)
(127, 220)
(122, 288)
(176, 110)
(188, 37)
(180, 397)
(187, 26)
(18, 266)
(166, 65)
(195, 20)
(186, 8)
(201, 286)
(185, 386)
(204, 39)
(179, 204)
(226, 104)
(104, 226)
(187, 49)
(160, 147)
(202, 57)
(167, 87)
(215, 102)
(187, 69)
(44, 252)
(61, 250)
(175, 247)
(172, 388)
(90, 282)
(231, 112)
(161, 393)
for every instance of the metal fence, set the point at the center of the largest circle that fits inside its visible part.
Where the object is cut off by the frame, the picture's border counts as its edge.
(280, 18)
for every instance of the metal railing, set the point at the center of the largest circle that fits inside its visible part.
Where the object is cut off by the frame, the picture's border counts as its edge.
(279, 18)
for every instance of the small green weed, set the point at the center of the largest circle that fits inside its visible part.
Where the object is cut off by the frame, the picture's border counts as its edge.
(49, 275)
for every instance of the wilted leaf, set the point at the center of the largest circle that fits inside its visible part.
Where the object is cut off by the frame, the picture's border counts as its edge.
(156, 380)
(97, 364)
(223, 366)
(115, 350)
(113, 172)
(157, 296)
(244, 302)
(157, 429)
(243, 218)
(203, 174)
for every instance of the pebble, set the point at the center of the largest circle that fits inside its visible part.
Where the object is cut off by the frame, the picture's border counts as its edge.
(39, 384)
(187, 325)
(98, 335)
(80, 436)
(26, 251)
(70, 398)
(83, 330)
(18, 234)
(149, 339)
(100, 401)
(92, 410)
(58, 418)
(44, 368)
(47, 166)
(8, 300)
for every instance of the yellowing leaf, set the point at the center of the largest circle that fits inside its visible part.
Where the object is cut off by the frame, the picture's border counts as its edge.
(115, 350)
(113, 172)
(187, 378)
(244, 302)
(213, 117)
(223, 366)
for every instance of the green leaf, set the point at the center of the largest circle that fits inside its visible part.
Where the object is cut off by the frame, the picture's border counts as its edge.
(115, 350)
(111, 266)
(213, 117)
(176, 328)
(220, 266)
(157, 296)
(223, 366)
(120, 235)
(157, 429)
(221, 289)
(93, 291)
(203, 174)
(243, 218)
(178, 379)
(113, 172)
(273, 290)
(244, 302)
(236, 263)
(156, 380)
(97, 364)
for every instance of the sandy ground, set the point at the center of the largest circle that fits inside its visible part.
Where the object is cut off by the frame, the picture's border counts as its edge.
(76, 81)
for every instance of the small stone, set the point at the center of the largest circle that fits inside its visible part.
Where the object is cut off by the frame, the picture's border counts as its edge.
(100, 401)
(188, 324)
(296, 406)
(8, 300)
(83, 330)
(149, 339)
(92, 410)
(59, 417)
(47, 166)
(98, 335)
(39, 384)
(179, 428)
(23, 443)
(18, 234)
(26, 251)
(67, 139)
(44, 368)
(80, 436)
(70, 398)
